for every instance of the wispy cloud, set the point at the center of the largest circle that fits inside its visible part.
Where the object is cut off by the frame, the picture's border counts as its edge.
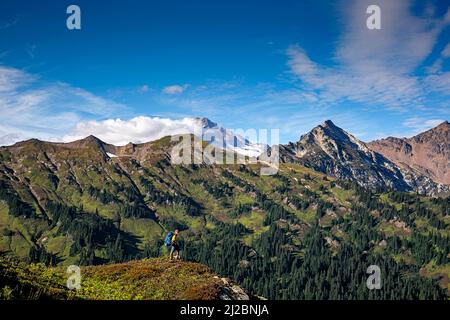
(144, 88)
(418, 124)
(376, 86)
(33, 108)
(11, 79)
(8, 24)
(31, 51)
(376, 68)
(438, 80)
(446, 52)
(263, 106)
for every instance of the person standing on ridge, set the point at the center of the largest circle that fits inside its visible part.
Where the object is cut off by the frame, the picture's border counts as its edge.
(175, 248)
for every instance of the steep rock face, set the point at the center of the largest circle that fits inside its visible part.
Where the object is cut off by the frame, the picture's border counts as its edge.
(231, 291)
(331, 150)
(427, 153)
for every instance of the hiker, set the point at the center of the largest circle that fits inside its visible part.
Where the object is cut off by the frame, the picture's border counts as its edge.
(171, 241)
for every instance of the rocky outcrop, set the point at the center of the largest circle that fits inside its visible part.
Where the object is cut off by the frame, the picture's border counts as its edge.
(231, 291)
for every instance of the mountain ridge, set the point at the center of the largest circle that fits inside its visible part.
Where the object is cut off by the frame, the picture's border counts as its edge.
(326, 148)
(427, 153)
(329, 149)
(61, 205)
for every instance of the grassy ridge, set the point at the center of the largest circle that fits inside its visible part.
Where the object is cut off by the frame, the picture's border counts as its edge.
(149, 279)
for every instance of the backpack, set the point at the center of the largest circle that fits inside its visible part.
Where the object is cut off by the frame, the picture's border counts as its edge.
(168, 241)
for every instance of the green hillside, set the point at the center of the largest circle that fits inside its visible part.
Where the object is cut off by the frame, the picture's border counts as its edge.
(295, 235)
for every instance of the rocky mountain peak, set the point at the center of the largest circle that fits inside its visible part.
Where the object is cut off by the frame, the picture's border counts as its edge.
(330, 149)
(437, 133)
(444, 125)
(328, 135)
(87, 142)
(329, 124)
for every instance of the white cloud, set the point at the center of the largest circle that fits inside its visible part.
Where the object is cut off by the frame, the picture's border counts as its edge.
(137, 130)
(175, 89)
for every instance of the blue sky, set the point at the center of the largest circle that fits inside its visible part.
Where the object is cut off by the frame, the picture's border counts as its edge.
(245, 64)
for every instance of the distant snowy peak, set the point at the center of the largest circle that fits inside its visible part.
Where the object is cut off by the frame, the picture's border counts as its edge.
(227, 139)
(205, 123)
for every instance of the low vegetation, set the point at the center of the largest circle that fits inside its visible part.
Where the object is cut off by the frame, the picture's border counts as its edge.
(152, 279)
